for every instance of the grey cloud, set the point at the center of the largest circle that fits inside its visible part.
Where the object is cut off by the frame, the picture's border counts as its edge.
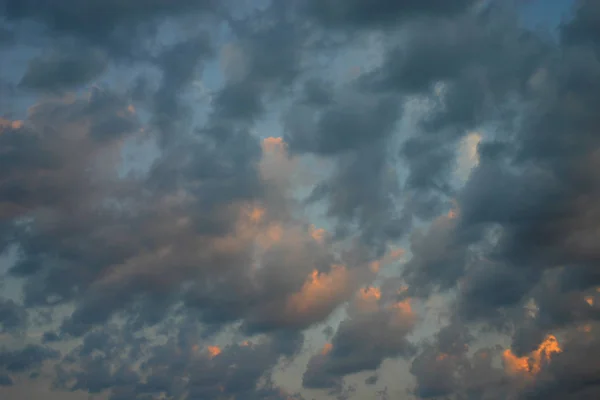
(357, 346)
(584, 28)
(63, 69)
(175, 243)
(114, 25)
(533, 192)
(181, 365)
(29, 357)
(351, 122)
(13, 317)
(318, 92)
(439, 257)
(356, 13)
(180, 64)
(353, 129)
(445, 369)
(6, 380)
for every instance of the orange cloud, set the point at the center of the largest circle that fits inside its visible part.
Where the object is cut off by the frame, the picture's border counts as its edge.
(5, 123)
(454, 211)
(367, 299)
(213, 351)
(403, 311)
(320, 289)
(326, 349)
(531, 364)
(256, 214)
(273, 144)
(317, 234)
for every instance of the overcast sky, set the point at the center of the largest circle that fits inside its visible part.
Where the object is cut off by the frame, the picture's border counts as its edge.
(299, 199)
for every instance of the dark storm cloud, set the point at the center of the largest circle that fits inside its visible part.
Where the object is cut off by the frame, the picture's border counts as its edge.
(353, 129)
(63, 69)
(573, 373)
(533, 200)
(180, 64)
(318, 92)
(177, 242)
(351, 122)
(357, 13)
(439, 257)
(584, 30)
(261, 62)
(375, 331)
(111, 24)
(6, 380)
(29, 357)
(175, 221)
(239, 101)
(444, 368)
(183, 364)
(13, 317)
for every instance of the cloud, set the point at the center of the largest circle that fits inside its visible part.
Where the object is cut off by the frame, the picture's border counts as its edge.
(355, 13)
(63, 69)
(373, 332)
(13, 317)
(274, 217)
(26, 359)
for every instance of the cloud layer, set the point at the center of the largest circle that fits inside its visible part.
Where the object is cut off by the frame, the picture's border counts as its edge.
(292, 200)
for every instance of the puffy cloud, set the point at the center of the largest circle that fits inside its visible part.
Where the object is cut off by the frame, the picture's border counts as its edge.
(26, 359)
(13, 317)
(63, 69)
(356, 13)
(208, 266)
(375, 330)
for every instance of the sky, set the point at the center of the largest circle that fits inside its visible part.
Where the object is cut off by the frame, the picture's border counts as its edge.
(297, 200)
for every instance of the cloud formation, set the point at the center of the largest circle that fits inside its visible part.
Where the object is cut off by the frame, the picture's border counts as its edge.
(423, 226)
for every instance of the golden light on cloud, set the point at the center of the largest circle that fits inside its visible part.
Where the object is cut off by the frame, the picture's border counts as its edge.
(271, 235)
(326, 349)
(256, 214)
(589, 300)
(371, 293)
(5, 124)
(404, 306)
(454, 211)
(319, 289)
(273, 144)
(374, 266)
(318, 234)
(367, 299)
(531, 364)
(403, 313)
(213, 351)
(396, 254)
